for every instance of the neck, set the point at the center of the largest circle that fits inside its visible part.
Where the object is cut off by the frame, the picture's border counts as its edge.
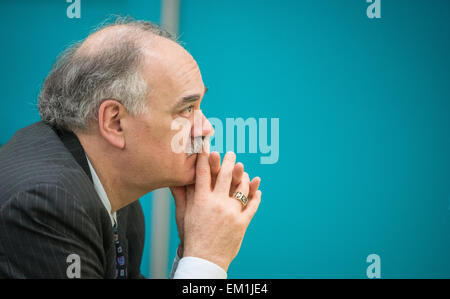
(110, 172)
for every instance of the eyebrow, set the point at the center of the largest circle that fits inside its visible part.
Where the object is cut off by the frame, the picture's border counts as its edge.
(190, 99)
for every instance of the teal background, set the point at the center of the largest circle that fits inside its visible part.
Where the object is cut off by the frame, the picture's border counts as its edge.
(364, 105)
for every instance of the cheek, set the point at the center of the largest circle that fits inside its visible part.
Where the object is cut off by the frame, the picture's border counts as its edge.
(158, 136)
(169, 156)
(179, 142)
(156, 140)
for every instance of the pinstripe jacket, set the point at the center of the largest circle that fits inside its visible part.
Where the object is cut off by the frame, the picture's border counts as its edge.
(51, 213)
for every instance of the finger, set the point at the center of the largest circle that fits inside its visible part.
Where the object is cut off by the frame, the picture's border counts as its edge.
(178, 194)
(203, 171)
(214, 164)
(190, 191)
(238, 171)
(253, 204)
(244, 184)
(225, 175)
(254, 185)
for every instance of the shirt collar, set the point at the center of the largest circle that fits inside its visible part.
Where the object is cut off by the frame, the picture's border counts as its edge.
(101, 193)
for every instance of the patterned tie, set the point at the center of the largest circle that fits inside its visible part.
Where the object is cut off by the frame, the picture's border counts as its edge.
(121, 268)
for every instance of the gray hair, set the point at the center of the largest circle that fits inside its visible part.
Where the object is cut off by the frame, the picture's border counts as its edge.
(78, 83)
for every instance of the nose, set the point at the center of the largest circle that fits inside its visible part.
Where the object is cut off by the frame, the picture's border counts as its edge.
(208, 129)
(201, 127)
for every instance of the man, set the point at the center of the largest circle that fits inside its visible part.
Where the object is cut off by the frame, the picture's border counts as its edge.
(70, 184)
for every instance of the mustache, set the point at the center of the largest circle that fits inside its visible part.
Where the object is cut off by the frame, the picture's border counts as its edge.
(196, 145)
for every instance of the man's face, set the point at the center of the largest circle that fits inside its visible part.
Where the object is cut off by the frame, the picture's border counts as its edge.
(176, 90)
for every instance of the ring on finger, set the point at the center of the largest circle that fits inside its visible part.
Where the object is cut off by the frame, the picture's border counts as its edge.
(241, 197)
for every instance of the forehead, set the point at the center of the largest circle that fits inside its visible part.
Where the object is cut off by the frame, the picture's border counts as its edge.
(170, 71)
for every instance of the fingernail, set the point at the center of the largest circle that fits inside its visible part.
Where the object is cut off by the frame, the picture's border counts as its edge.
(231, 155)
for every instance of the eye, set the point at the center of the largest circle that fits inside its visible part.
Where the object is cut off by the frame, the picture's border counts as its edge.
(187, 111)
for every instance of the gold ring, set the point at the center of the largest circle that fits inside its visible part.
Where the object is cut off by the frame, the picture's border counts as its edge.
(242, 198)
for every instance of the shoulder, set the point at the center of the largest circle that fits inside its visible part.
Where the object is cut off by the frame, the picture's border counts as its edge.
(44, 202)
(38, 172)
(36, 158)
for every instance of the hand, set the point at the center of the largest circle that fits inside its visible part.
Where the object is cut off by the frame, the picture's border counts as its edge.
(215, 222)
(238, 172)
(179, 193)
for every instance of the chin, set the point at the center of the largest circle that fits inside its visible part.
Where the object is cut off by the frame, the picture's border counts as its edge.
(182, 183)
(187, 175)
(190, 172)
(190, 179)
(187, 179)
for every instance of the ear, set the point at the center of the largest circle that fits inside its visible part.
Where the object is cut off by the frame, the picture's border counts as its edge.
(110, 114)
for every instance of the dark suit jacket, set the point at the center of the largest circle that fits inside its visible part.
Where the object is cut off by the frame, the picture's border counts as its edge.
(50, 210)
